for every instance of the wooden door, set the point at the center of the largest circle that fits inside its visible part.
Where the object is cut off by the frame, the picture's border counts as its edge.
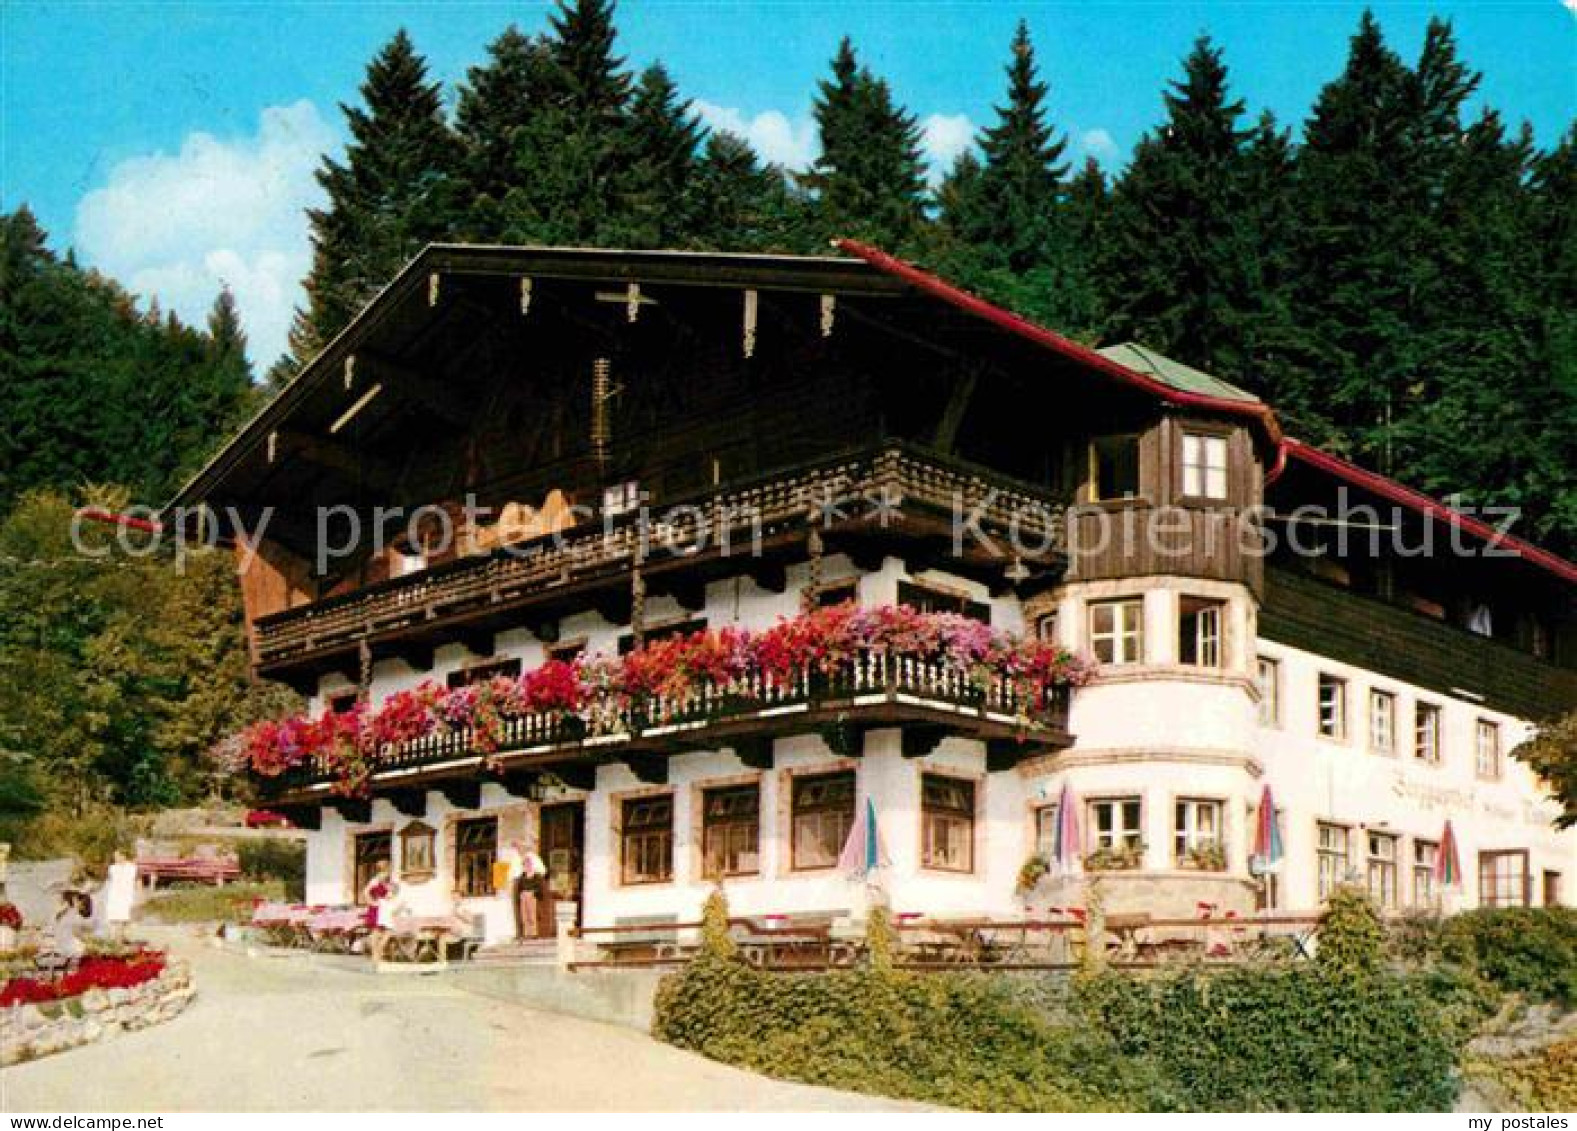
(561, 840)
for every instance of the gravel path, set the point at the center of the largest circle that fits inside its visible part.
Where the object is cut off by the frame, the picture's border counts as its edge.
(278, 1034)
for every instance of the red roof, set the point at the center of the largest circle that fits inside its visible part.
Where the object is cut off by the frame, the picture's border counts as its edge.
(1263, 414)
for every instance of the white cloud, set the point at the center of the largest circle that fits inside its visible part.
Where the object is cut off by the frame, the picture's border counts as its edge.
(1097, 143)
(792, 142)
(220, 212)
(943, 138)
(771, 133)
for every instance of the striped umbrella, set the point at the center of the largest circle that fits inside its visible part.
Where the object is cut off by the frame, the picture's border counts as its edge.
(864, 851)
(1448, 865)
(1267, 833)
(1065, 837)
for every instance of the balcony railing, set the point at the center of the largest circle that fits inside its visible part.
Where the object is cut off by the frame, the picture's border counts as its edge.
(930, 699)
(881, 486)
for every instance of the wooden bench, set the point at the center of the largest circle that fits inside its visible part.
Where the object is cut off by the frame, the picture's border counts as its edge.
(216, 870)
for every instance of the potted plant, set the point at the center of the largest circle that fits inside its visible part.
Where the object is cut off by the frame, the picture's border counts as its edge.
(1206, 856)
(1115, 858)
(1031, 872)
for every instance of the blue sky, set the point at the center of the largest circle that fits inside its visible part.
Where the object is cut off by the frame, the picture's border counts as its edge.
(173, 143)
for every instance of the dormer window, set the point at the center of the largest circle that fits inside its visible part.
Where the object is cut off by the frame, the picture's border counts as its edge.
(1114, 467)
(1204, 466)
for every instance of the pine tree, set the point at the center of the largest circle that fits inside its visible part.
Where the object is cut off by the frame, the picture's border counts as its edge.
(659, 204)
(1354, 194)
(496, 104)
(869, 181)
(742, 205)
(395, 192)
(1012, 215)
(572, 157)
(97, 389)
(1177, 262)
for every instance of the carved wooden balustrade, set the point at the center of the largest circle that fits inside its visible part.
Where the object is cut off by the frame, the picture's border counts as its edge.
(928, 699)
(884, 488)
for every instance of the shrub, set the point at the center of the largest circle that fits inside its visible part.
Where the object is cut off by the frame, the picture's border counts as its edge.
(942, 1038)
(1282, 1038)
(1529, 950)
(1352, 935)
(275, 859)
(1545, 1080)
(717, 940)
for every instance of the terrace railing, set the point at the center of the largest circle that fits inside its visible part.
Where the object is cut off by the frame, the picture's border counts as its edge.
(855, 488)
(869, 688)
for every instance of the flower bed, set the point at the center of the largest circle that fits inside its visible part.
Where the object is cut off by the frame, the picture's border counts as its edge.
(94, 973)
(106, 995)
(602, 693)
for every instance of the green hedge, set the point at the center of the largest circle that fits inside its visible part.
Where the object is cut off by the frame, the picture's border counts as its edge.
(957, 1040)
(1285, 1039)
(1527, 950)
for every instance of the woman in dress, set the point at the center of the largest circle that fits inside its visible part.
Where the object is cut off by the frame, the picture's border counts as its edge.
(119, 891)
(379, 896)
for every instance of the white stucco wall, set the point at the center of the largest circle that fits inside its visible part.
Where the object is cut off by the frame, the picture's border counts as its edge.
(1157, 730)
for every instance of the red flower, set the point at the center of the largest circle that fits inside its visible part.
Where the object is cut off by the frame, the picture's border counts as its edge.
(663, 676)
(102, 973)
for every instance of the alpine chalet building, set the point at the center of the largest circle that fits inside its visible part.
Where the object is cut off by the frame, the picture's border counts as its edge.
(519, 460)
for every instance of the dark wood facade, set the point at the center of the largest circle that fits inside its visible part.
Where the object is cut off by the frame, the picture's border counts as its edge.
(1331, 620)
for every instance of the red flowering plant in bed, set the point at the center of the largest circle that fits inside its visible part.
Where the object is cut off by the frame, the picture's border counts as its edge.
(608, 694)
(99, 973)
(10, 916)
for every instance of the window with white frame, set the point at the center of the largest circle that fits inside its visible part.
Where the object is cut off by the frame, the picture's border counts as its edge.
(1486, 749)
(1332, 692)
(1331, 851)
(1199, 624)
(1115, 824)
(1382, 723)
(1382, 868)
(1269, 675)
(1204, 466)
(1197, 838)
(1426, 731)
(1117, 631)
(1425, 854)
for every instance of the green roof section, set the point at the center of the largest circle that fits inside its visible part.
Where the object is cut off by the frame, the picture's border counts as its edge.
(1143, 359)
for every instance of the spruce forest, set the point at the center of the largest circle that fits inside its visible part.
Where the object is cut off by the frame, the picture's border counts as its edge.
(1397, 275)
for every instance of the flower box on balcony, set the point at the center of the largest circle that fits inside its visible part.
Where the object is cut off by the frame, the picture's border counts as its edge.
(942, 662)
(1125, 859)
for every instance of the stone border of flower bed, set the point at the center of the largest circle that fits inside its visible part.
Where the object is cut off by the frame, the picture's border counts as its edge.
(30, 1030)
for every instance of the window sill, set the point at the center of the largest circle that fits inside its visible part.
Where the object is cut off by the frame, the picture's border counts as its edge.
(949, 873)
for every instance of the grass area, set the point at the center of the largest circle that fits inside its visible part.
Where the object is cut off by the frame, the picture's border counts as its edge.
(207, 904)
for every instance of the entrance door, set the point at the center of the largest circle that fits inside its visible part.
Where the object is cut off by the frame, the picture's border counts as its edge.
(562, 837)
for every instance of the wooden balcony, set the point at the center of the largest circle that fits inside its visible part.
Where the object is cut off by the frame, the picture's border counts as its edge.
(929, 700)
(890, 498)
